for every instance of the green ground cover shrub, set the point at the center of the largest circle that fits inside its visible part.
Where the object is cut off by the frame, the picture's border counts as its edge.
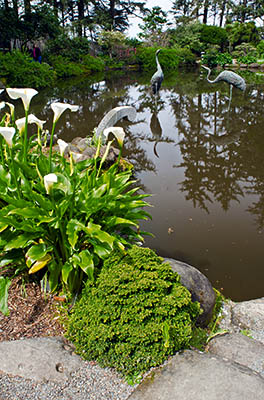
(65, 68)
(134, 315)
(93, 63)
(18, 69)
(249, 59)
(260, 49)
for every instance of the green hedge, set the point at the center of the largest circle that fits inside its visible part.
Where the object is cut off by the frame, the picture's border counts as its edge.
(213, 35)
(135, 315)
(169, 58)
(18, 69)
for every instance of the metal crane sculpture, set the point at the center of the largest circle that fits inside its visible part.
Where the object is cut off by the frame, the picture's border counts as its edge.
(230, 77)
(158, 77)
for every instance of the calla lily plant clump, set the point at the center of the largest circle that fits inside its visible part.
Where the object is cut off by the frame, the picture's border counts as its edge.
(59, 217)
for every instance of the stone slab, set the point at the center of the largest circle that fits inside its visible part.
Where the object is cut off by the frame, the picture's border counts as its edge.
(200, 376)
(241, 349)
(250, 315)
(40, 359)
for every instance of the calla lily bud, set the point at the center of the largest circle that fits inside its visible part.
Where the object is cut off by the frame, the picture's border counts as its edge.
(59, 108)
(49, 181)
(24, 94)
(8, 133)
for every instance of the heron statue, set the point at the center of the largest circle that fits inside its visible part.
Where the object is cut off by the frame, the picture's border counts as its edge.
(158, 77)
(230, 77)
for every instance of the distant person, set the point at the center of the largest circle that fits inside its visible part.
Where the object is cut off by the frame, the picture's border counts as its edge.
(36, 54)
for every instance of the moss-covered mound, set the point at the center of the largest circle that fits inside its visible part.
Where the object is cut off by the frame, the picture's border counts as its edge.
(135, 315)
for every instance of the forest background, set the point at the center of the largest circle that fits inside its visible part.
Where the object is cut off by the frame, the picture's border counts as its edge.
(79, 37)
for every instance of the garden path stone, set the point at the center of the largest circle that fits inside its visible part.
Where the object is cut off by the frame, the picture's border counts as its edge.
(40, 359)
(240, 349)
(200, 376)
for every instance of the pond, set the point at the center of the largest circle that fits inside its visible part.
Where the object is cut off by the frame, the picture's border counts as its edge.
(202, 162)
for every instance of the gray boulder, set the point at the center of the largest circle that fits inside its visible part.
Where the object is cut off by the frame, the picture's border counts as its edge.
(199, 287)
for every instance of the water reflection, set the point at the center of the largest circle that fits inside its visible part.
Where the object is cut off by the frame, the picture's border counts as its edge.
(156, 131)
(202, 162)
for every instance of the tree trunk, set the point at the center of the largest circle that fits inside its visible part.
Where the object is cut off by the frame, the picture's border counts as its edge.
(222, 13)
(80, 16)
(112, 12)
(27, 7)
(15, 7)
(206, 9)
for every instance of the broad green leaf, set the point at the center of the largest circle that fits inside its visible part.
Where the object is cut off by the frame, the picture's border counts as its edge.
(20, 241)
(99, 192)
(42, 220)
(3, 226)
(63, 184)
(121, 221)
(105, 237)
(66, 269)
(38, 251)
(18, 203)
(73, 227)
(87, 264)
(40, 264)
(102, 250)
(29, 212)
(54, 273)
(12, 257)
(41, 201)
(5, 176)
(76, 260)
(4, 285)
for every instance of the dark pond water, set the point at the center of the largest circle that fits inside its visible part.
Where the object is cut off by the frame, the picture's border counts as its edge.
(203, 163)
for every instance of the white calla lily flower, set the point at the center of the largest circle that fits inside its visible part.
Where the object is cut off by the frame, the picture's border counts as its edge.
(8, 133)
(62, 146)
(117, 132)
(76, 156)
(12, 109)
(2, 105)
(59, 108)
(20, 123)
(49, 181)
(1, 90)
(32, 119)
(24, 94)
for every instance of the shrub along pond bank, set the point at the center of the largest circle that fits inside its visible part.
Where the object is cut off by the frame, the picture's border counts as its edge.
(18, 69)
